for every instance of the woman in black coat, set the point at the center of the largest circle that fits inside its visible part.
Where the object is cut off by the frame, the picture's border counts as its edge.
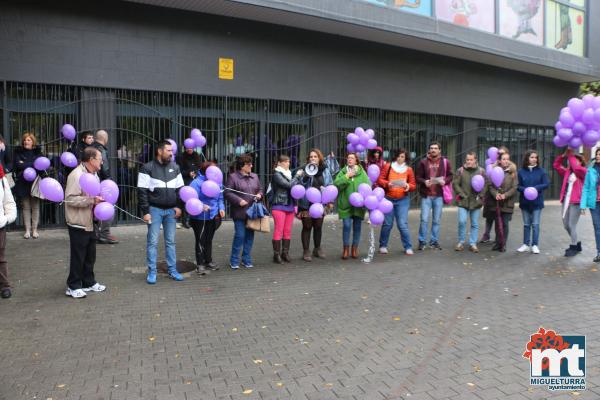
(24, 158)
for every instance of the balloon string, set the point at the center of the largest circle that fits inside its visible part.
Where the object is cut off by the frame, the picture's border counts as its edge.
(131, 215)
(237, 191)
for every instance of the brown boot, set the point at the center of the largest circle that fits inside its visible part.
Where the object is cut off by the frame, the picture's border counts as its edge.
(354, 251)
(285, 251)
(277, 252)
(306, 255)
(346, 253)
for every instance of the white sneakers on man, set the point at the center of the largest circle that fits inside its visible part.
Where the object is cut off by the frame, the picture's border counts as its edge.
(383, 250)
(75, 293)
(523, 248)
(96, 288)
(535, 249)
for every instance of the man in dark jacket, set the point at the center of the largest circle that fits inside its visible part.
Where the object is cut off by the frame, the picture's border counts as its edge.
(103, 227)
(159, 182)
(189, 161)
(433, 172)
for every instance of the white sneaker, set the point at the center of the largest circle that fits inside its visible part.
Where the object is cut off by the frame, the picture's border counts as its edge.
(96, 288)
(523, 248)
(76, 293)
(409, 252)
(383, 250)
(535, 249)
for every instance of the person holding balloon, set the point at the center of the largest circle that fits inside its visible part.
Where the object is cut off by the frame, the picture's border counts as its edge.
(103, 227)
(398, 180)
(570, 194)
(351, 212)
(189, 161)
(590, 198)
(320, 179)
(79, 213)
(242, 189)
(205, 222)
(24, 169)
(469, 185)
(503, 193)
(533, 180)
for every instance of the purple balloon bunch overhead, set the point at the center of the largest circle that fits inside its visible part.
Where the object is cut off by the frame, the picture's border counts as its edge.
(374, 200)
(361, 140)
(197, 137)
(318, 198)
(579, 123)
(68, 131)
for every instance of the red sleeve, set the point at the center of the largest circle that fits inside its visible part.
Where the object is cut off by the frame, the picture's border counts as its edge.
(558, 165)
(577, 168)
(383, 175)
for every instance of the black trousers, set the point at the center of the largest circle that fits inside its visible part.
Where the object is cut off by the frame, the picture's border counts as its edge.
(204, 231)
(83, 258)
(505, 219)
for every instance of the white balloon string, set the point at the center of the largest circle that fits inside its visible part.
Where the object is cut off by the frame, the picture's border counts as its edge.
(237, 191)
(371, 252)
(131, 215)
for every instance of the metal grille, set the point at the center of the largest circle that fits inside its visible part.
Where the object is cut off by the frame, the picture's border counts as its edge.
(137, 119)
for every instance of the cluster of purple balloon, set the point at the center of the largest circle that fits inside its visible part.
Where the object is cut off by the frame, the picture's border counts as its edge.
(496, 175)
(361, 140)
(210, 188)
(107, 189)
(374, 200)
(67, 158)
(579, 123)
(318, 198)
(196, 139)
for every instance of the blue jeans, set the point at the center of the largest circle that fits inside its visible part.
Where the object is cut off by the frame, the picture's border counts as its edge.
(400, 213)
(429, 204)
(531, 221)
(354, 223)
(166, 218)
(596, 221)
(463, 214)
(243, 239)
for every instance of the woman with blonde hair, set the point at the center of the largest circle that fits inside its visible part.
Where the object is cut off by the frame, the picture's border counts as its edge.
(24, 158)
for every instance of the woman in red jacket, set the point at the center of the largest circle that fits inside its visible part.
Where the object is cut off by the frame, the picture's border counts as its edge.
(398, 180)
(570, 194)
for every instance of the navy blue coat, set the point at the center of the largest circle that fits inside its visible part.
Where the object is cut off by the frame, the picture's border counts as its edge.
(537, 178)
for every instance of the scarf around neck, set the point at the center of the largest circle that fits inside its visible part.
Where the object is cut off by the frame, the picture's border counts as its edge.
(285, 172)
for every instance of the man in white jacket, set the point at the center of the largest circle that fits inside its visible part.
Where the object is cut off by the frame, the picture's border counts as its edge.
(8, 215)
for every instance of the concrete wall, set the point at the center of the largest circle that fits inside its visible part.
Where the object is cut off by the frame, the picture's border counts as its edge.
(168, 50)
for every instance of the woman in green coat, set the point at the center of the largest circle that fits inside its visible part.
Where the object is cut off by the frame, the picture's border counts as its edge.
(347, 182)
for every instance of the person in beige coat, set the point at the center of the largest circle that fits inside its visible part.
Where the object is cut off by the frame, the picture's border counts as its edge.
(79, 212)
(8, 215)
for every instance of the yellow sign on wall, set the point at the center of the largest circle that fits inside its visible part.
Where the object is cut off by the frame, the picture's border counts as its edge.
(226, 68)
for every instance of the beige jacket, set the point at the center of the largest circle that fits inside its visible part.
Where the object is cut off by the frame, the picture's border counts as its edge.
(79, 207)
(8, 211)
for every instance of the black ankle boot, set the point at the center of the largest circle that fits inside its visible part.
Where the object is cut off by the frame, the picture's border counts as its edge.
(579, 246)
(571, 251)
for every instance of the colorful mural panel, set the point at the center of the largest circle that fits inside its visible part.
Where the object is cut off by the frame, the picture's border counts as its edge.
(565, 28)
(522, 20)
(421, 7)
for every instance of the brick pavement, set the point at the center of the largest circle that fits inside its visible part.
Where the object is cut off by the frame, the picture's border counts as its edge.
(438, 325)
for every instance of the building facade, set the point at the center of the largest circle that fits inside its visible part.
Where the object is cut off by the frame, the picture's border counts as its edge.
(271, 77)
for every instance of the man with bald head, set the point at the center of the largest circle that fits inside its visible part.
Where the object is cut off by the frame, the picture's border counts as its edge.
(103, 227)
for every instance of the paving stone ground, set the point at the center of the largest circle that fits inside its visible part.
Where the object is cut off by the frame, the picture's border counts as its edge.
(437, 325)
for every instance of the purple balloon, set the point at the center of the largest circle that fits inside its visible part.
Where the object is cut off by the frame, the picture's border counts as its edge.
(316, 210)
(89, 184)
(578, 128)
(210, 189)
(590, 138)
(173, 145)
(385, 206)
(497, 176)
(194, 206)
(576, 106)
(596, 102)
(68, 159)
(371, 202)
(195, 135)
(359, 131)
(329, 194)
(379, 193)
(104, 211)
(597, 115)
(558, 126)
(488, 169)
(370, 133)
(52, 190)
(373, 172)
(371, 144)
(566, 119)
(376, 217)
(298, 192)
(201, 142)
(68, 131)
(189, 143)
(356, 199)
(530, 193)
(364, 139)
(350, 147)
(213, 173)
(565, 133)
(575, 142)
(588, 100)
(109, 191)
(365, 189)
(559, 142)
(493, 153)
(313, 195)
(41, 163)
(29, 174)
(352, 138)
(359, 148)
(588, 116)
(186, 193)
(488, 162)
(477, 183)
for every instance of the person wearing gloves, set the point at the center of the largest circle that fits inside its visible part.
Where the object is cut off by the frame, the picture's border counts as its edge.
(205, 224)
(398, 180)
(8, 215)
(468, 200)
(347, 182)
(570, 194)
(503, 201)
(531, 175)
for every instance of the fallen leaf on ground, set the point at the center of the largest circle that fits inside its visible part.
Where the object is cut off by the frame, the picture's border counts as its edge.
(396, 318)
(152, 338)
(257, 361)
(470, 384)
(61, 385)
(247, 391)
(234, 330)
